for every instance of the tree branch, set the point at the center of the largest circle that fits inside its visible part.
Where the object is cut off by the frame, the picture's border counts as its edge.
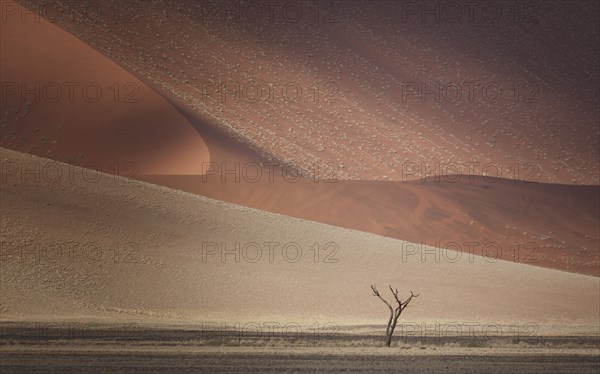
(376, 293)
(405, 304)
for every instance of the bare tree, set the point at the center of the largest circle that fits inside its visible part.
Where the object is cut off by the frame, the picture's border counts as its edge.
(394, 312)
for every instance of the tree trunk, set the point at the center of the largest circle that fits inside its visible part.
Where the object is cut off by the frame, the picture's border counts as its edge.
(388, 340)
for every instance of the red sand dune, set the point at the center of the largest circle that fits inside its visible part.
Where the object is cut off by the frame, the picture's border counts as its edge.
(364, 119)
(50, 107)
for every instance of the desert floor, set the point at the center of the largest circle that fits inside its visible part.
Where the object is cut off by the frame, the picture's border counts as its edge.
(94, 348)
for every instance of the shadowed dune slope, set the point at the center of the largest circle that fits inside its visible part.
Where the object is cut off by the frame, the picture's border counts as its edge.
(349, 87)
(63, 100)
(46, 228)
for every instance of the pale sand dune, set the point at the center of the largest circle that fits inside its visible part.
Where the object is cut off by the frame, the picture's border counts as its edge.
(168, 280)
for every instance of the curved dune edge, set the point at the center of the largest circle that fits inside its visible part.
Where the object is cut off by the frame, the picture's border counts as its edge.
(169, 228)
(548, 225)
(63, 119)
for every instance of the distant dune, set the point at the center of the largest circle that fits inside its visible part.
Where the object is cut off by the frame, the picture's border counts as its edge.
(149, 263)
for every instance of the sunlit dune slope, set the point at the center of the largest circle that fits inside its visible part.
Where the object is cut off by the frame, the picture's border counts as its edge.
(150, 261)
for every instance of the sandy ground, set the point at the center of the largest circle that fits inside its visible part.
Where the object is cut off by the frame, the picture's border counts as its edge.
(280, 361)
(85, 348)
